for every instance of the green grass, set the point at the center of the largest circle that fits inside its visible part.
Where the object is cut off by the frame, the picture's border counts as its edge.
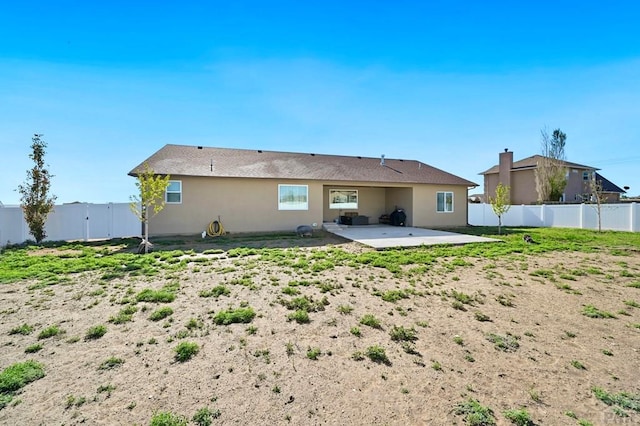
(31, 349)
(593, 312)
(185, 351)
(300, 316)
(205, 416)
(155, 296)
(24, 329)
(624, 400)
(124, 315)
(167, 418)
(377, 354)
(161, 313)
(518, 417)
(18, 375)
(401, 334)
(313, 353)
(371, 321)
(506, 343)
(111, 363)
(95, 332)
(217, 291)
(51, 331)
(475, 414)
(231, 316)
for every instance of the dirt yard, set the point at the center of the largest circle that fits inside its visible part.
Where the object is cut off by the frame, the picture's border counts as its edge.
(514, 332)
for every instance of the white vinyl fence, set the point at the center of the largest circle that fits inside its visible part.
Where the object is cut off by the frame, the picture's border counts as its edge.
(80, 221)
(614, 217)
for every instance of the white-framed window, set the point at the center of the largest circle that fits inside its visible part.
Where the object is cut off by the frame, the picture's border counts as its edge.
(444, 202)
(343, 199)
(173, 194)
(293, 197)
(586, 175)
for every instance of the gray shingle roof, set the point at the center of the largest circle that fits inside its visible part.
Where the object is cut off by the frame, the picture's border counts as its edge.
(608, 186)
(532, 163)
(183, 160)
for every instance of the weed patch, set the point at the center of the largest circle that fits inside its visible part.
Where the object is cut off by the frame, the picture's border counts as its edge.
(475, 414)
(185, 351)
(161, 313)
(230, 316)
(506, 343)
(593, 312)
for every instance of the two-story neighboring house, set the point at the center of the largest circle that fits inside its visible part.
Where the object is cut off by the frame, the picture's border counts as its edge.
(520, 177)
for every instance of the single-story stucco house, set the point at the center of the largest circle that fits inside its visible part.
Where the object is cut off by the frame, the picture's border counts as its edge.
(257, 191)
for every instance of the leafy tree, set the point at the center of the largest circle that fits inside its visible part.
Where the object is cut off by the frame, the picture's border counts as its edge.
(151, 199)
(35, 200)
(550, 172)
(501, 203)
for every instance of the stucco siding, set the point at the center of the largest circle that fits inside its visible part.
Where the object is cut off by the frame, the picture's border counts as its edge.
(244, 205)
(425, 212)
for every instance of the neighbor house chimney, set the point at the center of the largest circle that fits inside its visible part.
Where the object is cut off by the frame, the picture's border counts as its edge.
(505, 166)
(382, 160)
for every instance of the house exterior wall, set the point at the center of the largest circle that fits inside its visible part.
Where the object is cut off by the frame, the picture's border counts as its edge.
(425, 203)
(524, 187)
(251, 205)
(244, 205)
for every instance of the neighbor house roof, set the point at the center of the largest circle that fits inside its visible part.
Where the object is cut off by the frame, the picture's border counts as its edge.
(532, 163)
(183, 160)
(608, 186)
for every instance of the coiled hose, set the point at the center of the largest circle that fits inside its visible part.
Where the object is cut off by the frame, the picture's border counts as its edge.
(215, 228)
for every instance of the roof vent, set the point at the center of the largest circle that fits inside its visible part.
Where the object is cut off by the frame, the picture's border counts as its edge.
(199, 147)
(382, 160)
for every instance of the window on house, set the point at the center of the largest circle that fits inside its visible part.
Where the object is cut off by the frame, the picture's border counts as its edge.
(343, 199)
(173, 194)
(586, 175)
(293, 197)
(444, 202)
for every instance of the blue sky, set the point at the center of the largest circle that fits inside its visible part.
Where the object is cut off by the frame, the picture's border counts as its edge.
(450, 83)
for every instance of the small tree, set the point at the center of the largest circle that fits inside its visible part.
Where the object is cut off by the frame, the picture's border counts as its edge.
(501, 203)
(550, 173)
(151, 199)
(35, 200)
(597, 197)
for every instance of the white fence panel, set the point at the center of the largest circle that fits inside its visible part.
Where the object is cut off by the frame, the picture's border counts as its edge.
(615, 217)
(72, 222)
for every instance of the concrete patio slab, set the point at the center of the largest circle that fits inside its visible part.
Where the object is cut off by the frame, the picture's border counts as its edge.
(386, 236)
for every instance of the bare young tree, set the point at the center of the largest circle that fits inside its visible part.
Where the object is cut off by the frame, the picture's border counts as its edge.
(35, 200)
(550, 172)
(597, 197)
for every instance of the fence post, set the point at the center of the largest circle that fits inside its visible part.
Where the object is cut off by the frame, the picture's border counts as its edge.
(632, 217)
(542, 215)
(581, 219)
